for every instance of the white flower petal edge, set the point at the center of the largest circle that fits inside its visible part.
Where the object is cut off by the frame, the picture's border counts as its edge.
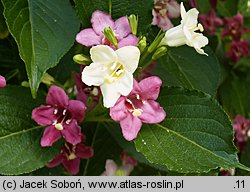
(112, 71)
(185, 33)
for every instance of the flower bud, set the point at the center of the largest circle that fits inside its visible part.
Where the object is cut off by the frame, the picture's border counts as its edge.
(81, 59)
(47, 79)
(159, 52)
(153, 46)
(133, 22)
(142, 44)
(109, 34)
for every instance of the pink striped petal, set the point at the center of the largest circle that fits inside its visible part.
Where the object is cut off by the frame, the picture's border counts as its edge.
(130, 127)
(77, 110)
(119, 111)
(72, 132)
(122, 27)
(152, 112)
(150, 87)
(129, 40)
(57, 97)
(50, 136)
(72, 166)
(83, 151)
(43, 115)
(56, 161)
(89, 38)
(100, 21)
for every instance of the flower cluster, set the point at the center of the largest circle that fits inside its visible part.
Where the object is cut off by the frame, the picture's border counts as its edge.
(61, 116)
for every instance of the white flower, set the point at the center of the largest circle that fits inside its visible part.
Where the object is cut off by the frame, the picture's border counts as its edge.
(185, 33)
(112, 71)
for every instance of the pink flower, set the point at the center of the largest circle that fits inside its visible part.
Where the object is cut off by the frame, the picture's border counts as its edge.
(210, 21)
(71, 156)
(2, 82)
(139, 107)
(100, 20)
(84, 92)
(163, 11)
(234, 27)
(128, 164)
(61, 116)
(238, 49)
(242, 131)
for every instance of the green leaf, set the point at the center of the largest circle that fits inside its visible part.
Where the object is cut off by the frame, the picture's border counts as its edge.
(227, 8)
(203, 6)
(234, 95)
(197, 135)
(44, 31)
(183, 66)
(244, 8)
(142, 8)
(20, 150)
(3, 28)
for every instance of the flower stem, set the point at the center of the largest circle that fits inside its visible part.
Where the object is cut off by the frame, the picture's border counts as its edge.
(110, 7)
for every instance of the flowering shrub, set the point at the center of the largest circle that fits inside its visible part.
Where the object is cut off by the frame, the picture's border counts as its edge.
(124, 87)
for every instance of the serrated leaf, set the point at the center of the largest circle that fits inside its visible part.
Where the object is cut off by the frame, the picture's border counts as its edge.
(184, 67)
(20, 150)
(142, 8)
(197, 135)
(44, 31)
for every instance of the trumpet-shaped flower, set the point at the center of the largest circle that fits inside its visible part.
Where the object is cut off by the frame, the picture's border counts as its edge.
(112, 71)
(100, 20)
(61, 116)
(71, 156)
(185, 33)
(139, 107)
(2, 82)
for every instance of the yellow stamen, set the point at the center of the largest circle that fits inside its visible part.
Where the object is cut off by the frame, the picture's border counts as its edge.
(59, 126)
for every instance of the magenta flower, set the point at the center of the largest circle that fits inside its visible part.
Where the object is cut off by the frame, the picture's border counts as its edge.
(61, 116)
(210, 21)
(2, 82)
(238, 49)
(242, 131)
(126, 159)
(234, 27)
(163, 11)
(139, 107)
(71, 156)
(100, 20)
(84, 92)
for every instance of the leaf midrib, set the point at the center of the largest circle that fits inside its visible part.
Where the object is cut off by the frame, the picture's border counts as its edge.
(20, 132)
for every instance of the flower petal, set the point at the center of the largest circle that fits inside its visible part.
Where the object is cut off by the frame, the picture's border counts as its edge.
(72, 132)
(50, 136)
(2, 82)
(122, 27)
(130, 127)
(102, 54)
(129, 40)
(119, 111)
(173, 9)
(88, 37)
(124, 84)
(100, 21)
(77, 110)
(72, 166)
(129, 56)
(200, 41)
(57, 97)
(152, 112)
(93, 74)
(110, 94)
(110, 167)
(174, 37)
(83, 151)
(43, 115)
(56, 161)
(150, 87)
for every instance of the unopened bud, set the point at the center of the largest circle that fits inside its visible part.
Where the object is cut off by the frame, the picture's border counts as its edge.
(109, 34)
(142, 44)
(47, 79)
(82, 59)
(159, 52)
(133, 22)
(153, 46)
(25, 84)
